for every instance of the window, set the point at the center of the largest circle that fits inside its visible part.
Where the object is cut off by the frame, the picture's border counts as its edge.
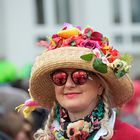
(135, 11)
(136, 38)
(39, 5)
(118, 39)
(62, 11)
(41, 38)
(116, 11)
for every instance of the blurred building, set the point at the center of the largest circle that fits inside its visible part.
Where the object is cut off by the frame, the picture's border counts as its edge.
(24, 22)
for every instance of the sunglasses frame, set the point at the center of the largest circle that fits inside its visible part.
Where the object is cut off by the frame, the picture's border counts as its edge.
(71, 73)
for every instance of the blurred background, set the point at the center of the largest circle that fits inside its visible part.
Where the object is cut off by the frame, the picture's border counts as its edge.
(24, 22)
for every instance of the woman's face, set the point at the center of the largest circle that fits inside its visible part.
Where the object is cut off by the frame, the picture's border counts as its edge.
(75, 97)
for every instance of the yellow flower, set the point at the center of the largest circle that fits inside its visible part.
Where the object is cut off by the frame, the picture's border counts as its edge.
(69, 32)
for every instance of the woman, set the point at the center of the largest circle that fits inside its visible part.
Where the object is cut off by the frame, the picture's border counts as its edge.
(81, 78)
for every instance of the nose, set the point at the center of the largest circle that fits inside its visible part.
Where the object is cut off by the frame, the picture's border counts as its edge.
(69, 82)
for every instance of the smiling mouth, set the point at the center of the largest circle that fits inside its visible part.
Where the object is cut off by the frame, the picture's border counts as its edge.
(72, 94)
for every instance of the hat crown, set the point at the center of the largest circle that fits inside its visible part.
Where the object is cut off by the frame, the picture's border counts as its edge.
(106, 55)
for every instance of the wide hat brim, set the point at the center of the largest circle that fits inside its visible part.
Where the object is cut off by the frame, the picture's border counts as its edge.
(42, 88)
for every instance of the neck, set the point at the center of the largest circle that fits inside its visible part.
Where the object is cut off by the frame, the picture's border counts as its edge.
(81, 113)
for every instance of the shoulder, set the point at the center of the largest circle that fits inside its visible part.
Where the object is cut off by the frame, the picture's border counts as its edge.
(124, 131)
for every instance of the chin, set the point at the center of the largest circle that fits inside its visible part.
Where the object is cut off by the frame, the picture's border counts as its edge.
(74, 107)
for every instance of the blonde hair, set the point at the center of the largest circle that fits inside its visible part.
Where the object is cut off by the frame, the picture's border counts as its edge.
(104, 121)
(107, 108)
(46, 134)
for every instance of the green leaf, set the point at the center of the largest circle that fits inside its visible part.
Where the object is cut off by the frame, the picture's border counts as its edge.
(120, 73)
(99, 65)
(73, 43)
(87, 57)
(126, 57)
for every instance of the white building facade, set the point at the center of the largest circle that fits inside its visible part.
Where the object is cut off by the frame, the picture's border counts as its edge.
(24, 22)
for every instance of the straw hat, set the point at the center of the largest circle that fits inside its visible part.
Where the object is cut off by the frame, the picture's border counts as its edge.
(89, 50)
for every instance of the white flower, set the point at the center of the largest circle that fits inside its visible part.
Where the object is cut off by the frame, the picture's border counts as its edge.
(97, 53)
(104, 60)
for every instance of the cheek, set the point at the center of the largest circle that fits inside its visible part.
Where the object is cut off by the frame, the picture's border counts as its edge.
(92, 88)
(58, 91)
(59, 95)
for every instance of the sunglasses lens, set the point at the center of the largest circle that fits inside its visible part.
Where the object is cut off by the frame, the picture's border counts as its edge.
(59, 78)
(80, 77)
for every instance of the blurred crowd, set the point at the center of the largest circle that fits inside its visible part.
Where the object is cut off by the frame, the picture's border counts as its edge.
(14, 91)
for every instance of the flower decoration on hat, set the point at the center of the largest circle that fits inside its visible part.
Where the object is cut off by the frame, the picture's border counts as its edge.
(102, 54)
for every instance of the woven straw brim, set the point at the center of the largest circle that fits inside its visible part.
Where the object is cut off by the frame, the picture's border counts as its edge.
(42, 89)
